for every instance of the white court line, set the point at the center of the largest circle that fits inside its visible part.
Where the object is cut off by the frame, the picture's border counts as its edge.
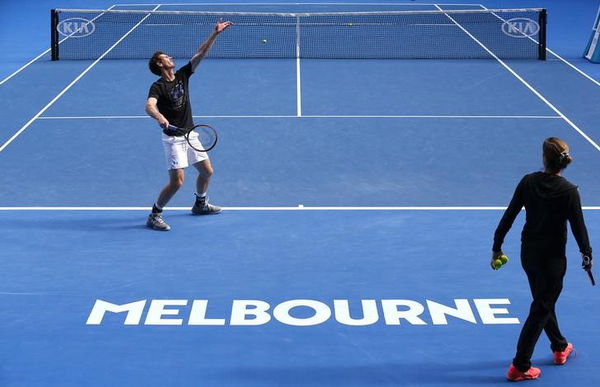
(298, 89)
(538, 94)
(14, 136)
(427, 116)
(296, 208)
(30, 294)
(553, 53)
(45, 52)
(307, 116)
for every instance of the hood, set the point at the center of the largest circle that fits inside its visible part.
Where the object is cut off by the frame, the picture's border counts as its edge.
(549, 186)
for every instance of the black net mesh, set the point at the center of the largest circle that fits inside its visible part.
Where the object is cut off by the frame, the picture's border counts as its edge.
(88, 34)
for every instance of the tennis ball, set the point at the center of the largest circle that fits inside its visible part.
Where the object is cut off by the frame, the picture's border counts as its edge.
(497, 264)
(349, 24)
(264, 41)
(503, 258)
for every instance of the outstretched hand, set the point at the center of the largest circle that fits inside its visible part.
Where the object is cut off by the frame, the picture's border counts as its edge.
(221, 26)
(205, 47)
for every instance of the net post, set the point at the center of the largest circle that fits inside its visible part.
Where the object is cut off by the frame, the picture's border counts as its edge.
(543, 17)
(54, 33)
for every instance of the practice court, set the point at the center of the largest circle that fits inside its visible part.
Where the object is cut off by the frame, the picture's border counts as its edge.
(360, 197)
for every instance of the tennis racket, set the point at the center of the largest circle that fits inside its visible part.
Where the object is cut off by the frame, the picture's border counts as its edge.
(588, 268)
(201, 138)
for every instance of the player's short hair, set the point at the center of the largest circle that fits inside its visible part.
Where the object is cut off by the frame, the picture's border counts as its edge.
(556, 154)
(153, 63)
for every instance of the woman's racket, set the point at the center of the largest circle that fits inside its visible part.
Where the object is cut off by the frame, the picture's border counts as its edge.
(201, 138)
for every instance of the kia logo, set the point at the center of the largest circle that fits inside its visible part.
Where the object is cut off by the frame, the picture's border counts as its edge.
(76, 27)
(520, 27)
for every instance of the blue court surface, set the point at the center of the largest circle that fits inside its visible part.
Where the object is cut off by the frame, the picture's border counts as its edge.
(360, 199)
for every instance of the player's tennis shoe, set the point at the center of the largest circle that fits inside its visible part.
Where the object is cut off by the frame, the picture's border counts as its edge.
(205, 208)
(514, 375)
(560, 358)
(156, 222)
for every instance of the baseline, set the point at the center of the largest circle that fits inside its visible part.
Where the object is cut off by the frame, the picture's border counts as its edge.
(298, 208)
(311, 116)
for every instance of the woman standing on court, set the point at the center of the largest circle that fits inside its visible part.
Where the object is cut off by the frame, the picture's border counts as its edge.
(550, 201)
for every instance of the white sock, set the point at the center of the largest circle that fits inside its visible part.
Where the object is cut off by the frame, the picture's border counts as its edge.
(200, 198)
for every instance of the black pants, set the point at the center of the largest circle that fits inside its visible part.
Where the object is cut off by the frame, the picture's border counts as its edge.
(545, 264)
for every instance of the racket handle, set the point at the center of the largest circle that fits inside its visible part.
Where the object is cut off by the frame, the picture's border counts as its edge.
(587, 266)
(174, 131)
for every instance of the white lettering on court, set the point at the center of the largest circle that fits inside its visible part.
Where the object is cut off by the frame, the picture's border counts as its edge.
(392, 312)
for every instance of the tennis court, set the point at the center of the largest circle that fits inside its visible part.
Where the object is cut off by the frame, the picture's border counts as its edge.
(360, 199)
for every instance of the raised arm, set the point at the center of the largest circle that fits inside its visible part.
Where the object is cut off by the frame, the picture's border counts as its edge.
(208, 43)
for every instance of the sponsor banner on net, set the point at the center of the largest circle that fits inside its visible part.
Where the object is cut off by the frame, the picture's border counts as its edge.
(302, 312)
(520, 27)
(76, 27)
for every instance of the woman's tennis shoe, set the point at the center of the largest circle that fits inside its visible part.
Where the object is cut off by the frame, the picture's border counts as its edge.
(514, 375)
(203, 207)
(156, 222)
(560, 358)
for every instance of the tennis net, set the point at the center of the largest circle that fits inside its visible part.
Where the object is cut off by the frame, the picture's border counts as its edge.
(436, 34)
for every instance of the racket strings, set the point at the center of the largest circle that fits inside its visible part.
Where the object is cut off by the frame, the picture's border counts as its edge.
(206, 138)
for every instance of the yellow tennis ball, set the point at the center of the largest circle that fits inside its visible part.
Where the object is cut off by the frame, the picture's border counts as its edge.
(264, 41)
(503, 258)
(497, 264)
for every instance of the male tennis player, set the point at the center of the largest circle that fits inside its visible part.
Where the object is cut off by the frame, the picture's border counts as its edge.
(169, 104)
(550, 201)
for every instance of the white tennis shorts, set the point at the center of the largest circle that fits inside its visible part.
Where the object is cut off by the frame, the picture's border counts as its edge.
(179, 154)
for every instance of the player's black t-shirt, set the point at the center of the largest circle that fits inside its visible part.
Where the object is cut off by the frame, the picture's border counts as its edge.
(174, 98)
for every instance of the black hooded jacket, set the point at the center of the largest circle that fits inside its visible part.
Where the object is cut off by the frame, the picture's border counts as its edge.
(550, 200)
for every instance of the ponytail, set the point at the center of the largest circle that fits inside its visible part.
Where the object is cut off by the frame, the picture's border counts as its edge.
(556, 154)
